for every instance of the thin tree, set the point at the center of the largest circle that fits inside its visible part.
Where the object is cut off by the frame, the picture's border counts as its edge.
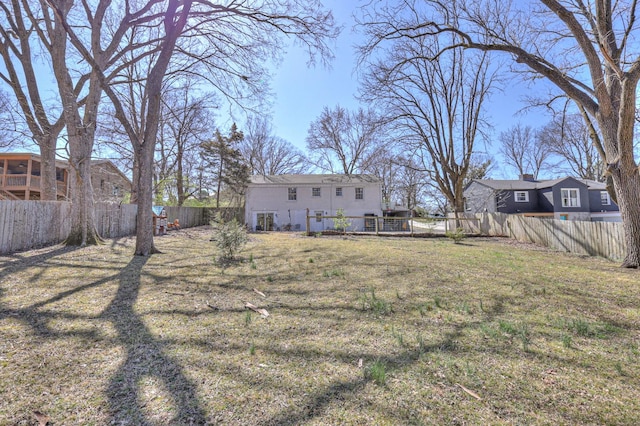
(226, 163)
(185, 119)
(588, 50)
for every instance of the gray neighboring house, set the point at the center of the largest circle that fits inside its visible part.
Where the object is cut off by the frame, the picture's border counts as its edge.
(280, 202)
(565, 199)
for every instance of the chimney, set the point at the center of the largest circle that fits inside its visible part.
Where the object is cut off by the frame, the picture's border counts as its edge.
(527, 177)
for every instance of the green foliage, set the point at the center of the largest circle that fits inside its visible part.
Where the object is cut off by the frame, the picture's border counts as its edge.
(229, 237)
(375, 304)
(456, 236)
(341, 222)
(225, 162)
(377, 372)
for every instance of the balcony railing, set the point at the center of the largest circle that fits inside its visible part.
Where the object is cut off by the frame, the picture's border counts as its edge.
(19, 182)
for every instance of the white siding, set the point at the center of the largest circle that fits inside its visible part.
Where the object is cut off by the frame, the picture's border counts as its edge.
(273, 198)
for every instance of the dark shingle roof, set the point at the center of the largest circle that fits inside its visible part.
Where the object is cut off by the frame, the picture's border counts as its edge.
(524, 185)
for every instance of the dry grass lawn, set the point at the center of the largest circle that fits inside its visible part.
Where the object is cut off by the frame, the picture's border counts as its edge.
(361, 331)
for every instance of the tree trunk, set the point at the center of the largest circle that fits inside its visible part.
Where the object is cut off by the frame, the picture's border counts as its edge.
(144, 218)
(628, 194)
(83, 231)
(48, 183)
(135, 178)
(180, 179)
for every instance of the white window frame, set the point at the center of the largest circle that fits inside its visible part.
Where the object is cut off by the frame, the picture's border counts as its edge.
(339, 191)
(292, 194)
(360, 193)
(566, 196)
(316, 192)
(605, 198)
(526, 196)
(319, 215)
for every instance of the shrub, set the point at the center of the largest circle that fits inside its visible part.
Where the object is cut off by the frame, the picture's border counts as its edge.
(456, 236)
(229, 237)
(341, 223)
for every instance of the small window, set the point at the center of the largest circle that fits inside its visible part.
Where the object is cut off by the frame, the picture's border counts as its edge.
(293, 194)
(338, 192)
(359, 193)
(521, 196)
(570, 197)
(605, 199)
(315, 192)
(318, 216)
(116, 191)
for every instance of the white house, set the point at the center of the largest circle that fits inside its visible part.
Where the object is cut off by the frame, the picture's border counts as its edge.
(280, 202)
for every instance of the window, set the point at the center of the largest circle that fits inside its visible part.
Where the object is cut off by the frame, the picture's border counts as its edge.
(116, 191)
(570, 197)
(338, 192)
(605, 200)
(315, 192)
(293, 194)
(521, 196)
(359, 193)
(318, 216)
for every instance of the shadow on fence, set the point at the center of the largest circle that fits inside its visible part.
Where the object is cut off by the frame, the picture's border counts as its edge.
(26, 225)
(605, 239)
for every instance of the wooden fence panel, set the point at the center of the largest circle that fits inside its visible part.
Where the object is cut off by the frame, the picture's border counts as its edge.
(114, 220)
(605, 239)
(188, 216)
(30, 224)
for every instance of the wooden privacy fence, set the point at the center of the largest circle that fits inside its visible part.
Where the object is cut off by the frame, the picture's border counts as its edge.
(605, 239)
(30, 224)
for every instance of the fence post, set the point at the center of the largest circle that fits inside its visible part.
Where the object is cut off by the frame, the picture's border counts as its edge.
(308, 224)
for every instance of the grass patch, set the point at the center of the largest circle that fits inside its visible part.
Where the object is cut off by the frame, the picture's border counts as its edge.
(98, 336)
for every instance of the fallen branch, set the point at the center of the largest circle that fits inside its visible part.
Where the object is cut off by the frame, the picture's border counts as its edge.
(259, 292)
(254, 308)
(470, 392)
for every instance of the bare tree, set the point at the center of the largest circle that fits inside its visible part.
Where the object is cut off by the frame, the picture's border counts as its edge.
(436, 106)
(268, 154)
(341, 141)
(588, 50)
(9, 133)
(569, 137)
(185, 121)
(524, 150)
(232, 39)
(20, 49)
(412, 184)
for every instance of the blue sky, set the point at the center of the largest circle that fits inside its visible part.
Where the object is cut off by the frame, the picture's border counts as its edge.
(302, 92)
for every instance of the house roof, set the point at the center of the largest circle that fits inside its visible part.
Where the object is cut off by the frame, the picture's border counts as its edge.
(313, 179)
(524, 185)
(110, 164)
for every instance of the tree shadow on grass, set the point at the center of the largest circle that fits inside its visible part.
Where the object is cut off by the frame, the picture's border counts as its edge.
(145, 358)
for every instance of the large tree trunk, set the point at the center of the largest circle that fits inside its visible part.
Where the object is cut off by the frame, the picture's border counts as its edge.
(628, 192)
(83, 231)
(48, 183)
(144, 219)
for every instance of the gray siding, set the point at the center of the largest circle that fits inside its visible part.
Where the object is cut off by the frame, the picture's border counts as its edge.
(480, 198)
(566, 184)
(595, 203)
